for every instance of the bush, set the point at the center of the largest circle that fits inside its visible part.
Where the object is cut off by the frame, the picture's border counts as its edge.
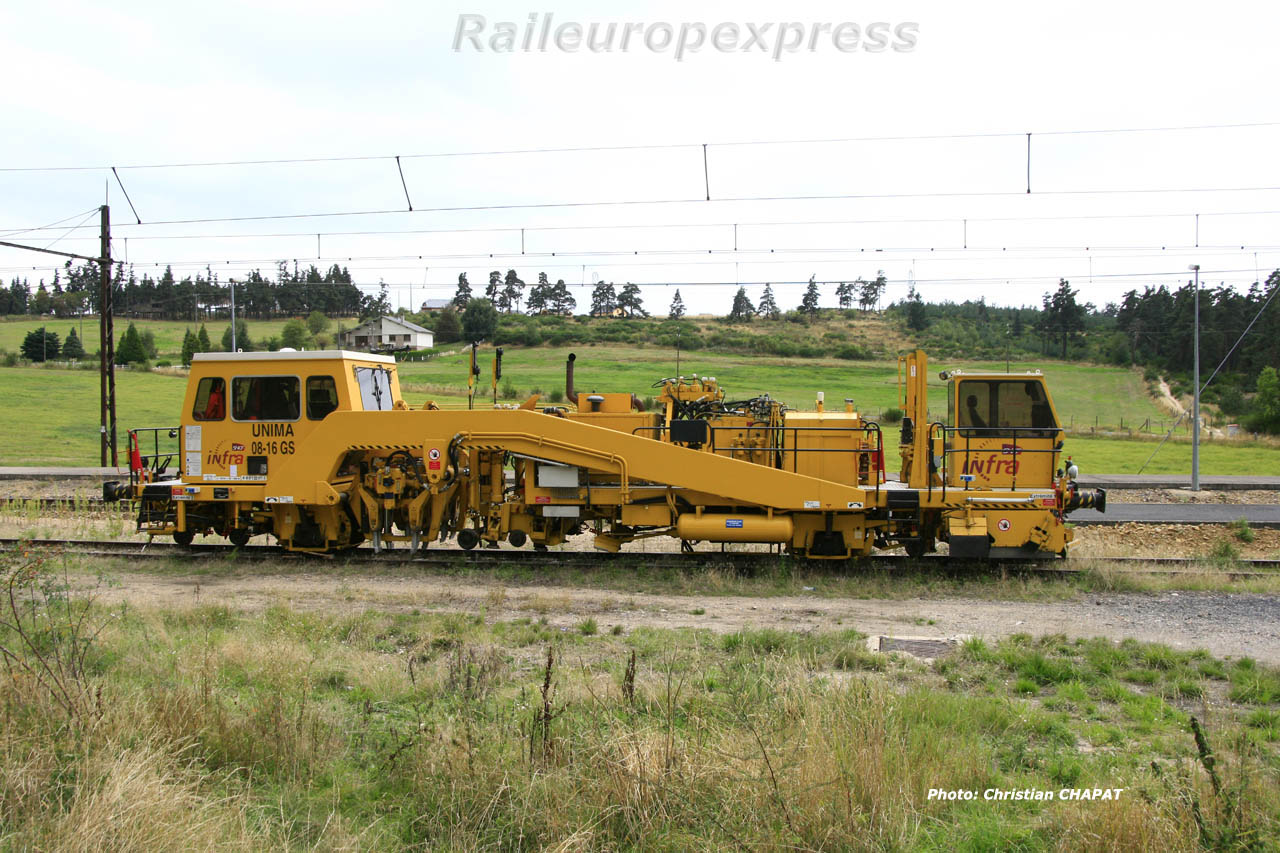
(1231, 401)
(853, 352)
(892, 416)
(479, 321)
(295, 334)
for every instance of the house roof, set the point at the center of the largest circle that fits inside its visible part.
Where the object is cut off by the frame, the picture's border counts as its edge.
(413, 327)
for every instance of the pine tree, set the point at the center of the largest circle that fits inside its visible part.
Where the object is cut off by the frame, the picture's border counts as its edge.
(676, 311)
(768, 307)
(1063, 317)
(40, 345)
(243, 342)
(512, 292)
(493, 290)
(205, 345)
(562, 299)
(73, 348)
(41, 303)
(869, 292)
(603, 300)
(809, 304)
(629, 301)
(130, 349)
(917, 319)
(844, 293)
(462, 295)
(190, 345)
(541, 296)
(742, 310)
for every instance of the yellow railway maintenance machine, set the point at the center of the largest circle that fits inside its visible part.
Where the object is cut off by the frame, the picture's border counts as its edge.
(320, 450)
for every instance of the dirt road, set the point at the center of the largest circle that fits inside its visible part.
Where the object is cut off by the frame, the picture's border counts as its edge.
(1225, 624)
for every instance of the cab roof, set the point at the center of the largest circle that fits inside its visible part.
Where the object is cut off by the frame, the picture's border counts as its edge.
(305, 355)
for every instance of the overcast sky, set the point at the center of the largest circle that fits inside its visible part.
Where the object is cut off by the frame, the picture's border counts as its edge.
(136, 84)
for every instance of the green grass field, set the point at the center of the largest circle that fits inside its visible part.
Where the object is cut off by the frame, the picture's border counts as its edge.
(65, 432)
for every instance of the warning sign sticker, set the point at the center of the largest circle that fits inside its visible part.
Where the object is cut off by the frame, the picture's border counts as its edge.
(1004, 524)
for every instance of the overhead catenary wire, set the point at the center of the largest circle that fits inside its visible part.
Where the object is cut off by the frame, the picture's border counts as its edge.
(645, 147)
(715, 224)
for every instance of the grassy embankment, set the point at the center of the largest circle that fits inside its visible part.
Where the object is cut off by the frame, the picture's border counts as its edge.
(199, 726)
(65, 431)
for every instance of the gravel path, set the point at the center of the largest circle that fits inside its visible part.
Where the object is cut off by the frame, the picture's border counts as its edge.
(1228, 625)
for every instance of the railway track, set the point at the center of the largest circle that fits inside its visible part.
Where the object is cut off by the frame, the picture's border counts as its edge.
(95, 505)
(745, 562)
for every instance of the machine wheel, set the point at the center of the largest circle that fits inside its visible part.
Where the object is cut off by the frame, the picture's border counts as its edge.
(468, 539)
(239, 536)
(184, 537)
(915, 550)
(517, 538)
(539, 547)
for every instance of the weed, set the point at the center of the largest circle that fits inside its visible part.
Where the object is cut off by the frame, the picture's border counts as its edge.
(1026, 687)
(1243, 532)
(1223, 553)
(587, 627)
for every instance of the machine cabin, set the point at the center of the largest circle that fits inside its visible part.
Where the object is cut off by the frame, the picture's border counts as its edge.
(245, 411)
(1004, 431)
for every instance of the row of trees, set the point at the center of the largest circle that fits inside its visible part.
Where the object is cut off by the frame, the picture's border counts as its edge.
(506, 294)
(43, 345)
(293, 292)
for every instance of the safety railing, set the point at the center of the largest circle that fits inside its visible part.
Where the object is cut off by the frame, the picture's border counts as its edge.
(149, 468)
(970, 433)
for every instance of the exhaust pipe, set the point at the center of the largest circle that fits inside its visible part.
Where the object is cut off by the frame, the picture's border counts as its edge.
(570, 395)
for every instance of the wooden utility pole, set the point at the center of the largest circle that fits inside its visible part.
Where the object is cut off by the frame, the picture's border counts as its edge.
(106, 347)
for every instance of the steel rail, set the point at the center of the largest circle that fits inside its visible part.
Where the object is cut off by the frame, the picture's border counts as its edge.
(739, 560)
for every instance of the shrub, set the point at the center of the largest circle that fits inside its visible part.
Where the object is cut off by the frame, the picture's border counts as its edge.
(1240, 527)
(892, 416)
(853, 352)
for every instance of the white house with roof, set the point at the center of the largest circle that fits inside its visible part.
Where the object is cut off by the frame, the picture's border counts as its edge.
(386, 333)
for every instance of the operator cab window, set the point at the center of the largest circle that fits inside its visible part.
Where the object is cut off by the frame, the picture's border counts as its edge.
(211, 399)
(375, 388)
(264, 398)
(322, 397)
(1003, 407)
